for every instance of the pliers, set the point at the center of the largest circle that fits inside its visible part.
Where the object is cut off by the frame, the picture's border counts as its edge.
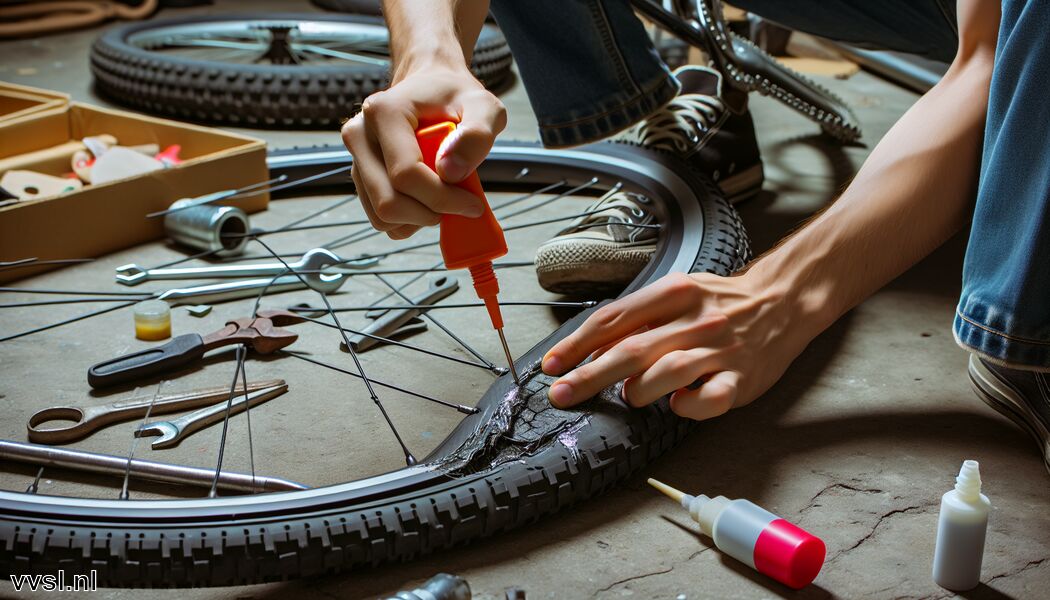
(262, 333)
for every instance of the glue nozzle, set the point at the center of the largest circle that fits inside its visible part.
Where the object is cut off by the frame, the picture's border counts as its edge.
(667, 490)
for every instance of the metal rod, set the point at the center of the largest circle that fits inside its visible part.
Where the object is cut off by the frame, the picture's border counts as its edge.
(221, 195)
(328, 270)
(578, 188)
(35, 486)
(71, 292)
(38, 454)
(318, 212)
(430, 318)
(262, 232)
(53, 302)
(135, 440)
(226, 419)
(32, 262)
(301, 181)
(248, 417)
(467, 410)
(510, 359)
(68, 321)
(394, 342)
(409, 458)
(307, 308)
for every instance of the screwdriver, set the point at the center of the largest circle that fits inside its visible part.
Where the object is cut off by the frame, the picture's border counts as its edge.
(470, 243)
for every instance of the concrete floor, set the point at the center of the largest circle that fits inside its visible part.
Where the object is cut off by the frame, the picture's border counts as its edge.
(856, 443)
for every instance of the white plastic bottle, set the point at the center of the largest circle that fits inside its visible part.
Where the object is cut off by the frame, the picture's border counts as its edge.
(960, 532)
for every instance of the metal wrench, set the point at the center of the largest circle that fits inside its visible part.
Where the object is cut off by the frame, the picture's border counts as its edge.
(248, 288)
(404, 321)
(174, 431)
(78, 422)
(314, 260)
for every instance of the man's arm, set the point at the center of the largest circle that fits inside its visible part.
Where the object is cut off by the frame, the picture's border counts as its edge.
(740, 333)
(431, 44)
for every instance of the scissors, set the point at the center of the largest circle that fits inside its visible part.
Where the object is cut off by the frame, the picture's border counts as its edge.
(88, 419)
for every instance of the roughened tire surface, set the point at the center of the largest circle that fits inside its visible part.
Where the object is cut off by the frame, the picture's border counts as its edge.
(509, 489)
(269, 96)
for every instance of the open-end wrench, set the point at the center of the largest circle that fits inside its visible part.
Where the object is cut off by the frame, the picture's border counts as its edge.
(174, 431)
(248, 288)
(314, 260)
(78, 422)
(403, 321)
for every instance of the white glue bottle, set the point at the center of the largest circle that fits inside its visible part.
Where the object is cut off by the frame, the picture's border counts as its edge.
(960, 532)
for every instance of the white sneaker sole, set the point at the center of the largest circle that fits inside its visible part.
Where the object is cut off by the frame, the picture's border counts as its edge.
(1004, 399)
(575, 266)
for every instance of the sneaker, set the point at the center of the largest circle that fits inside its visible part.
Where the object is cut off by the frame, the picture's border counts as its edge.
(1022, 396)
(603, 251)
(708, 125)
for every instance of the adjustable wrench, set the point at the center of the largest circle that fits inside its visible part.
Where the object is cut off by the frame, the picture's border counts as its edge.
(174, 431)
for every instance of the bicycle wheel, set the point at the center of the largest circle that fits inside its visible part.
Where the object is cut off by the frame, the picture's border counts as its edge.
(508, 464)
(260, 70)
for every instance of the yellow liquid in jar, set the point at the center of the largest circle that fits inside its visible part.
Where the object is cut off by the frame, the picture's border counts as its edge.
(151, 330)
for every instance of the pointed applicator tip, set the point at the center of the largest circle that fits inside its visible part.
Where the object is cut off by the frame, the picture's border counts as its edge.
(667, 490)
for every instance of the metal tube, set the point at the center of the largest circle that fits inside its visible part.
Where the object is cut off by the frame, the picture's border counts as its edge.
(202, 227)
(79, 460)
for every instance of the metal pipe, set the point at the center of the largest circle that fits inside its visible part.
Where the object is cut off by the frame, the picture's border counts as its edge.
(92, 462)
(205, 227)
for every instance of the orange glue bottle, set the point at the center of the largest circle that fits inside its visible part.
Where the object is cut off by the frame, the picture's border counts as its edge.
(470, 243)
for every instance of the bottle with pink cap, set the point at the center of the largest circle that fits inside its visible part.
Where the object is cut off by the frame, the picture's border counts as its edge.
(755, 536)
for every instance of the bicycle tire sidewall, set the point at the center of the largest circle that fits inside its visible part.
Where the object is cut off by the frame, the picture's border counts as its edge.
(254, 95)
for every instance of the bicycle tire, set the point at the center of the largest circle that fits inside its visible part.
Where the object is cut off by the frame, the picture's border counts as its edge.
(255, 95)
(361, 7)
(504, 467)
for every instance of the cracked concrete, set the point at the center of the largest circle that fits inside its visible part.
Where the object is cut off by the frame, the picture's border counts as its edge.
(856, 443)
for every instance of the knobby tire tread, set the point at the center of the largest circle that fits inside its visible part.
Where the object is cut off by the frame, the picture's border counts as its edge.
(329, 539)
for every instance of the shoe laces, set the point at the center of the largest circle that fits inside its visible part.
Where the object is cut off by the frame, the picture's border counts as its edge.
(619, 214)
(680, 125)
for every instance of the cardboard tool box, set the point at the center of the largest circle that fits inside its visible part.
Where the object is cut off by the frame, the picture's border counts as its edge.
(98, 219)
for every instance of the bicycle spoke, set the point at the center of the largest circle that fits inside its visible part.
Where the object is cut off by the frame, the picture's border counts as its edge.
(35, 486)
(467, 410)
(409, 458)
(291, 184)
(124, 495)
(241, 352)
(67, 301)
(347, 56)
(368, 232)
(579, 188)
(306, 308)
(393, 342)
(32, 262)
(441, 326)
(317, 213)
(68, 321)
(71, 292)
(248, 416)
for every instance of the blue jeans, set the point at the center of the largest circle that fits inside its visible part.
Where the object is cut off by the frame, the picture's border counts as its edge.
(590, 70)
(1004, 311)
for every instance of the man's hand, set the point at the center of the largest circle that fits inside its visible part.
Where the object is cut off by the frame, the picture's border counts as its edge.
(739, 334)
(430, 45)
(398, 192)
(726, 332)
